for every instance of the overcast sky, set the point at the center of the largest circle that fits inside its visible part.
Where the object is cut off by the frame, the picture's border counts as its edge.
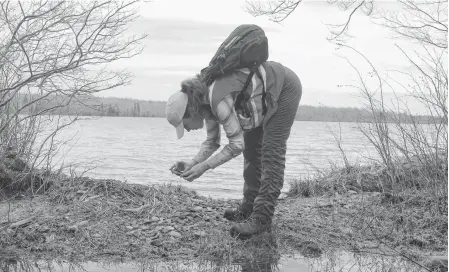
(183, 35)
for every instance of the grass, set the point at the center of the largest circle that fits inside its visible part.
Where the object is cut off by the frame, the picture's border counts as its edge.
(408, 217)
(373, 178)
(87, 219)
(343, 210)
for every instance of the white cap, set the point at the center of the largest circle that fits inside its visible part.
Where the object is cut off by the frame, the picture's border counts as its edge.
(175, 110)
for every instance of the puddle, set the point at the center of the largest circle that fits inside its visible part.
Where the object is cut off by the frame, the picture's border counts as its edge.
(329, 262)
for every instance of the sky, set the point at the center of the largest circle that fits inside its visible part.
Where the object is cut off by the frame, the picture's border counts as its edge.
(184, 35)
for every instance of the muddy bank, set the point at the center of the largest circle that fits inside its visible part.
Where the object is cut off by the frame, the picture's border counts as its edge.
(85, 219)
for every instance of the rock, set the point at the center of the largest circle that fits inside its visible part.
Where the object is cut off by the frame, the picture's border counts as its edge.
(352, 192)
(131, 232)
(44, 229)
(158, 229)
(76, 226)
(145, 227)
(129, 227)
(199, 233)
(167, 229)
(154, 219)
(196, 209)
(156, 242)
(149, 239)
(175, 234)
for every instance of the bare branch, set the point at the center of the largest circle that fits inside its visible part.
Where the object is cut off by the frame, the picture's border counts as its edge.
(52, 53)
(277, 10)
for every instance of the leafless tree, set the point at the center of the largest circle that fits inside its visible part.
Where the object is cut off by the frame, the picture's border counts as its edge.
(423, 23)
(279, 10)
(52, 53)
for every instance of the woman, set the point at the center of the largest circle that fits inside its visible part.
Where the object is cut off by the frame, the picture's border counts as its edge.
(261, 135)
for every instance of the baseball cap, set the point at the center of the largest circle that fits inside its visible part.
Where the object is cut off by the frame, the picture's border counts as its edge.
(175, 110)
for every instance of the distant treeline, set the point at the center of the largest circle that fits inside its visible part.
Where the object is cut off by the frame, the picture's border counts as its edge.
(112, 106)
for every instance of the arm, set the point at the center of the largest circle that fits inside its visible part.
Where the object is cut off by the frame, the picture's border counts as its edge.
(211, 144)
(227, 117)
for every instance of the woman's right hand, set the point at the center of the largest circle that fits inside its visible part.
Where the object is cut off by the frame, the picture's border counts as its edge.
(180, 166)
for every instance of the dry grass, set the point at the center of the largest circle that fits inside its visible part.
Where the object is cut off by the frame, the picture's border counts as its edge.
(373, 178)
(408, 218)
(84, 219)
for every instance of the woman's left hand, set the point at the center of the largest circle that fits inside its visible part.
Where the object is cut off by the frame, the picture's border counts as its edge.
(195, 172)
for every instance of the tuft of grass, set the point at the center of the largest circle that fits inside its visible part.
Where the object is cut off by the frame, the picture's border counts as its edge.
(374, 178)
(409, 214)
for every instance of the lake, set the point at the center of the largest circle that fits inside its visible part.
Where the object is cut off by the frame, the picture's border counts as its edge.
(141, 150)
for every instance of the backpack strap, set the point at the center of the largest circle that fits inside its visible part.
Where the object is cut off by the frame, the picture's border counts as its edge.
(243, 96)
(264, 106)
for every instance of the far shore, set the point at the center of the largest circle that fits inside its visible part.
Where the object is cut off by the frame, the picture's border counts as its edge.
(423, 120)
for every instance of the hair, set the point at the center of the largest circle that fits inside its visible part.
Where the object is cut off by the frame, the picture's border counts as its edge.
(196, 90)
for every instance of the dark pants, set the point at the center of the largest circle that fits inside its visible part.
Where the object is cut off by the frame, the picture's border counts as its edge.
(265, 150)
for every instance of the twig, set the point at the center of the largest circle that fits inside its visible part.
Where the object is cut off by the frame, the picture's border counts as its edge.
(137, 210)
(21, 222)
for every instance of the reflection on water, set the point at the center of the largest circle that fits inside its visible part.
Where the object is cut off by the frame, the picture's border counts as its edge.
(329, 262)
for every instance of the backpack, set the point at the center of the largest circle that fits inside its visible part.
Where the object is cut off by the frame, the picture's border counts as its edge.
(245, 47)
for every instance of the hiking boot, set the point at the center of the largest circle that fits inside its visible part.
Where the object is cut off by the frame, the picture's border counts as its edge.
(250, 228)
(240, 214)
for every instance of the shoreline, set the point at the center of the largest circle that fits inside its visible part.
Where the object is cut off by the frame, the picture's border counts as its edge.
(85, 219)
(421, 122)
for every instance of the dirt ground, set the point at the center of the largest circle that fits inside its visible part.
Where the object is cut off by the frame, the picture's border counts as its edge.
(97, 220)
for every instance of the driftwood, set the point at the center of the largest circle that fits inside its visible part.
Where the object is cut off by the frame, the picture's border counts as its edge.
(91, 198)
(21, 223)
(137, 210)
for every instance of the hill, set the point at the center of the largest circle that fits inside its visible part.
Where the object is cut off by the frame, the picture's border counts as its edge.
(114, 106)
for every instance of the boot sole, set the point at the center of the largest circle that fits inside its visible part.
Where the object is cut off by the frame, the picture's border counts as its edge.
(240, 236)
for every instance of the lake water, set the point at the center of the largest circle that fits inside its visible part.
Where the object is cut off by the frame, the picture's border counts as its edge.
(141, 150)
(330, 262)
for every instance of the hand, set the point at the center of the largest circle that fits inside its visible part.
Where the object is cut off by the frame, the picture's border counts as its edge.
(195, 172)
(181, 166)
